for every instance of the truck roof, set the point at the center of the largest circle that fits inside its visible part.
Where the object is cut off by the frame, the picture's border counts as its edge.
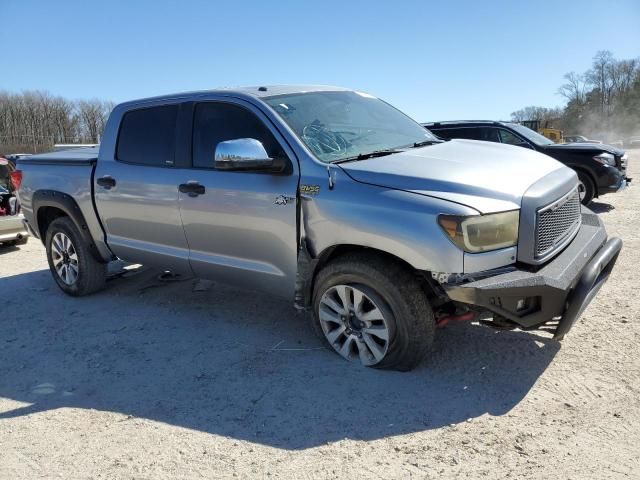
(464, 122)
(261, 91)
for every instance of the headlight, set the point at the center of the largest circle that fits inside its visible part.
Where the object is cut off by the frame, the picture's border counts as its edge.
(606, 159)
(481, 233)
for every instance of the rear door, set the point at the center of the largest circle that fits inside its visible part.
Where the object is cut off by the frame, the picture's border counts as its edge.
(468, 133)
(136, 190)
(242, 228)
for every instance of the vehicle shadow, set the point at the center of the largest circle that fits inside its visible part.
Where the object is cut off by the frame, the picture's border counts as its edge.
(240, 365)
(8, 248)
(600, 207)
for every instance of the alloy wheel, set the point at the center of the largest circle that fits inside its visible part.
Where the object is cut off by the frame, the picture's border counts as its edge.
(582, 190)
(64, 258)
(353, 324)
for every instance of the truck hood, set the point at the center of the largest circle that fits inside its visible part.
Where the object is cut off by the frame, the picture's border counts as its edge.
(488, 177)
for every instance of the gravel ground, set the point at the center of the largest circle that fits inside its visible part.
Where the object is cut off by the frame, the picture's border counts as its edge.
(153, 379)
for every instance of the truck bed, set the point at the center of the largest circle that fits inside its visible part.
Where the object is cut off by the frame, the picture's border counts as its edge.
(67, 172)
(75, 156)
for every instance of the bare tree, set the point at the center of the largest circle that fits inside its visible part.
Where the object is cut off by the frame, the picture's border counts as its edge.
(603, 102)
(546, 116)
(601, 79)
(34, 121)
(575, 88)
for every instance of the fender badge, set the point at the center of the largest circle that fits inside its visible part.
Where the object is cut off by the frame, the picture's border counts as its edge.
(309, 189)
(281, 200)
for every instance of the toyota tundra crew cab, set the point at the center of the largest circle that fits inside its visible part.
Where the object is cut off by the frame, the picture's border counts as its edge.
(333, 199)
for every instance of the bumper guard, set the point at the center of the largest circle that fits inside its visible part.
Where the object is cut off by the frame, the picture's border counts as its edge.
(558, 292)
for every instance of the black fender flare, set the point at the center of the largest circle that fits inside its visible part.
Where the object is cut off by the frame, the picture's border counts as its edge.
(67, 204)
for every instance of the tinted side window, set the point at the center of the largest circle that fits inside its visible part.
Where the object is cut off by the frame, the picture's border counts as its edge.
(468, 133)
(147, 136)
(488, 134)
(216, 122)
(510, 138)
(444, 133)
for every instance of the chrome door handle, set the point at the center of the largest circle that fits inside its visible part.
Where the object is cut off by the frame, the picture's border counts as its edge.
(193, 189)
(107, 182)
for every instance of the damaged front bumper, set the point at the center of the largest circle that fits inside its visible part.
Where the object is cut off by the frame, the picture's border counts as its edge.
(559, 291)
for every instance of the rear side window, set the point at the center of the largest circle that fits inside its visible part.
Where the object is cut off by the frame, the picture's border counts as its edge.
(488, 134)
(468, 133)
(441, 133)
(147, 136)
(217, 122)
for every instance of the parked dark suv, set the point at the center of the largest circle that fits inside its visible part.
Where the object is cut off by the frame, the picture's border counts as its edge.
(600, 168)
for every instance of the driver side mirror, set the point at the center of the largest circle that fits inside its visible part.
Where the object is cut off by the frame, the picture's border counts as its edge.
(244, 154)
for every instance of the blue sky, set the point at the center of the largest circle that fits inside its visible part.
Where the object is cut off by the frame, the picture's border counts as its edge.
(434, 60)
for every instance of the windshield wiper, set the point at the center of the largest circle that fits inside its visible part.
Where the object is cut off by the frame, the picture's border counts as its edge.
(424, 143)
(364, 156)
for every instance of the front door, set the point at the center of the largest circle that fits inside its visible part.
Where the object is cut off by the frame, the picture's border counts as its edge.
(240, 225)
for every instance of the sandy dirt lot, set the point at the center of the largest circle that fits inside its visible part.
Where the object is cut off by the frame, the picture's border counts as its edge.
(151, 379)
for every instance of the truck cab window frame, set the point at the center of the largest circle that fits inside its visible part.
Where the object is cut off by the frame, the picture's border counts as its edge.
(217, 121)
(147, 136)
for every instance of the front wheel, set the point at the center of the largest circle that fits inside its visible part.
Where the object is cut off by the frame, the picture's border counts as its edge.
(372, 311)
(71, 263)
(586, 189)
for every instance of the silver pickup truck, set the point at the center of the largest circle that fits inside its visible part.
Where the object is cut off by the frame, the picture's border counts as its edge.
(333, 199)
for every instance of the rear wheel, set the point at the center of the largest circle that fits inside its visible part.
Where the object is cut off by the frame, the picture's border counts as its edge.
(372, 311)
(71, 263)
(586, 189)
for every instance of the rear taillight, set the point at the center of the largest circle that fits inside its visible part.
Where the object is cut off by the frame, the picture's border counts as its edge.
(16, 179)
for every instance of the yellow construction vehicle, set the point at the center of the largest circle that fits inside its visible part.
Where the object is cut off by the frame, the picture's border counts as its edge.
(551, 133)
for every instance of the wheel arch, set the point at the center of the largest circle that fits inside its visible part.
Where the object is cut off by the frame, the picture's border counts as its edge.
(309, 266)
(49, 205)
(590, 175)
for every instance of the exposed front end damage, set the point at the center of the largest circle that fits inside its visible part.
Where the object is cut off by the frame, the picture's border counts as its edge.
(551, 297)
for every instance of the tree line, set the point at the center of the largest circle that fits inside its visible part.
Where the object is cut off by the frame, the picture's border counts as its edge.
(603, 102)
(34, 121)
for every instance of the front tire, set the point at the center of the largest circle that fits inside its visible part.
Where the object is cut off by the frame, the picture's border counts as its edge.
(72, 265)
(586, 189)
(373, 311)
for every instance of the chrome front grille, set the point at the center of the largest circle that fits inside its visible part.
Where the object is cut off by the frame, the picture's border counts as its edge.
(556, 223)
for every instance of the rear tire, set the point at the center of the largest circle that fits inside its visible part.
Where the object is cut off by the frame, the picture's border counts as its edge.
(585, 188)
(384, 289)
(72, 265)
